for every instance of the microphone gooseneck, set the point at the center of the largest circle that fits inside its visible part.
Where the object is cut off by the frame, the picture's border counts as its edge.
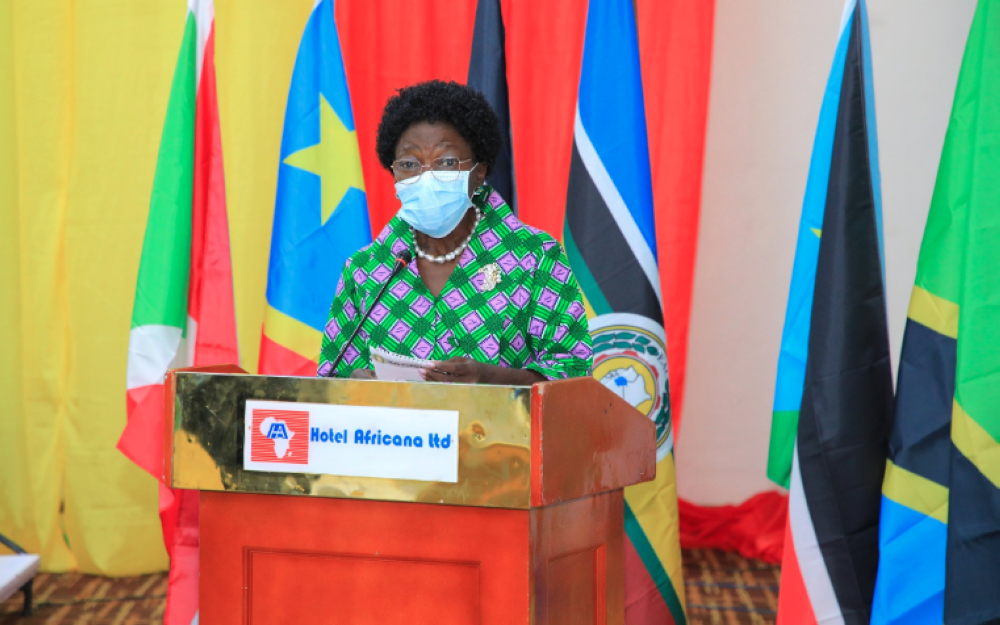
(403, 259)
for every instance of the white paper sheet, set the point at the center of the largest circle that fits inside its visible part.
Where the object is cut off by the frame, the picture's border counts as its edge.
(390, 366)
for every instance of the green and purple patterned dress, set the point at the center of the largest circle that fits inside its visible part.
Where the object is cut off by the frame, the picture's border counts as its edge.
(512, 301)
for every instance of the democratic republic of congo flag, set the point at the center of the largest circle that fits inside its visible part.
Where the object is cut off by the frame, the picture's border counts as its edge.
(183, 313)
(321, 212)
(610, 240)
(835, 359)
(940, 526)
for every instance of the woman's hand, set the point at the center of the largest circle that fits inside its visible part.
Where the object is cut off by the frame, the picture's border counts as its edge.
(461, 370)
(469, 371)
(363, 374)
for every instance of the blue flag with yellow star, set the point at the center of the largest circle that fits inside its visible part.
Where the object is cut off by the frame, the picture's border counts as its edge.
(321, 211)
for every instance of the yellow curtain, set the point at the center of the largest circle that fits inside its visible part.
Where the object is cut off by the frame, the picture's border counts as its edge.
(83, 93)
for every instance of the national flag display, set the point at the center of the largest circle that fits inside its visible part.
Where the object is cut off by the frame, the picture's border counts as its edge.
(940, 525)
(798, 313)
(183, 313)
(488, 74)
(835, 375)
(609, 237)
(321, 210)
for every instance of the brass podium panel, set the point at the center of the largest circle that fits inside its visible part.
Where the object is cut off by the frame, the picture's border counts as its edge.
(494, 442)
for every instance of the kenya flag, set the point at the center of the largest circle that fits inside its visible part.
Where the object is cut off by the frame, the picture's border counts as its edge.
(183, 313)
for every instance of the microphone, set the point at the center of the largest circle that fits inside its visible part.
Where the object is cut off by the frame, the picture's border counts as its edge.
(402, 260)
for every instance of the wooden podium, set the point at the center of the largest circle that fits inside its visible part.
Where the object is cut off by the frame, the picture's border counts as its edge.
(532, 531)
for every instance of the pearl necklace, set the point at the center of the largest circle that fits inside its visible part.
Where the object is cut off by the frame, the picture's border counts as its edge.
(452, 255)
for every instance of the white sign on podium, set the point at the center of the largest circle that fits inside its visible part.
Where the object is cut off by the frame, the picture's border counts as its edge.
(357, 441)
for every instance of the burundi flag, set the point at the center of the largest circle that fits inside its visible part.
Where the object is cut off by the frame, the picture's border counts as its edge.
(488, 74)
(183, 313)
(940, 527)
(609, 238)
(321, 212)
(838, 444)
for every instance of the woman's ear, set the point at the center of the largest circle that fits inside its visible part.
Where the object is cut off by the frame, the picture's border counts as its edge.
(476, 179)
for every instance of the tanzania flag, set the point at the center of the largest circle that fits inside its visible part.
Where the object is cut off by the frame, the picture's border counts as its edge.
(830, 556)
(610, 240)
(488, 74)
(183, 313)
(321, 212)
(940, 530)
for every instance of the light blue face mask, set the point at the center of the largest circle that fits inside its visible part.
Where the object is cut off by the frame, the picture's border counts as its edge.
(435, 207)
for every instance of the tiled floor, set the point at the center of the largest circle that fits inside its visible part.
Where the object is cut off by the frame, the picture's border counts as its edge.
(726, 589)
(722, 589)
(75, 599)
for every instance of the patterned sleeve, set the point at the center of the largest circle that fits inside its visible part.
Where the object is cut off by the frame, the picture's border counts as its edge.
(557, 323)
(344, 316)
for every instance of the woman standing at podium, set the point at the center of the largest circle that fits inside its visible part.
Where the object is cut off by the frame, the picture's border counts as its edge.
(489, 300)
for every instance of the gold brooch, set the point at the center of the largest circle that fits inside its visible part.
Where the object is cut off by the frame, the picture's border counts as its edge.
(491, 276)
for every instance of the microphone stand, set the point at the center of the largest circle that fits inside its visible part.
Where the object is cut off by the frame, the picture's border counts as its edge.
(402, 260)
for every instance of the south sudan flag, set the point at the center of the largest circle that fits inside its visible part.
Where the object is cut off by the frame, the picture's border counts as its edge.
(940, 528)
(836, 336)
(609, 237)
(488, 74)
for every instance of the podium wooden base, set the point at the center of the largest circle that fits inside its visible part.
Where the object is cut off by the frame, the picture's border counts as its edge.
(271, 559)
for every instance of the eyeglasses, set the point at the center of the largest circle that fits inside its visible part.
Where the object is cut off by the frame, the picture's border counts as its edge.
(445, 169)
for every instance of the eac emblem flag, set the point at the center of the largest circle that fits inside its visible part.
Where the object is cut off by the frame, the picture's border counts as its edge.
(610, 240)
(630, 358)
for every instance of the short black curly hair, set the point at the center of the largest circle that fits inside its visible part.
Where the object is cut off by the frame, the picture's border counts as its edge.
(434, 101)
